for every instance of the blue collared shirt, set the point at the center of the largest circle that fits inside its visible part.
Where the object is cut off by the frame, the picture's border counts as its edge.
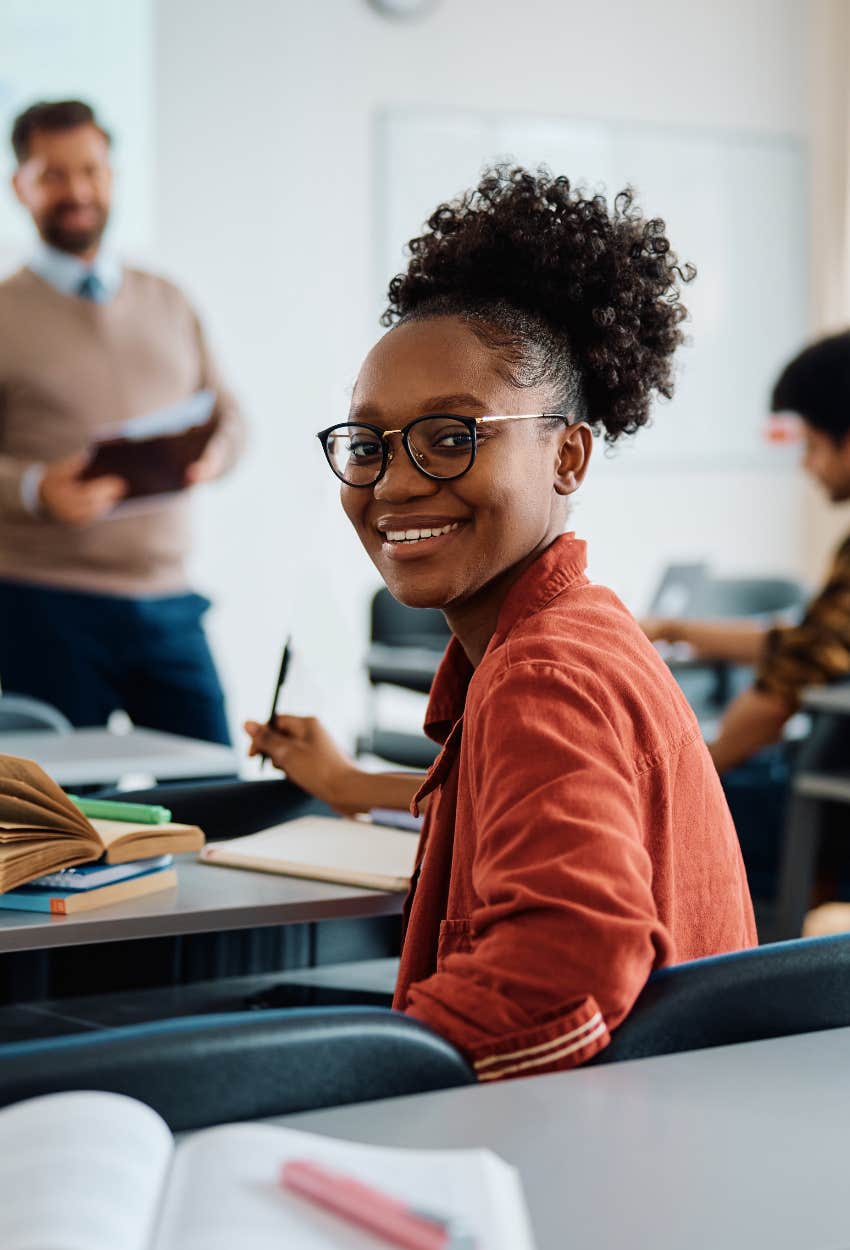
(65, 272)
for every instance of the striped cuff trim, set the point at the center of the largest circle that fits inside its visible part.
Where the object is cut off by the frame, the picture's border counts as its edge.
(550, 1057)
(545, 1046)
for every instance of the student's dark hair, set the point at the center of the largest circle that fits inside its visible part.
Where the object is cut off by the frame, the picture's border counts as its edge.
(563, 287)
(51, 115)
(816, 385)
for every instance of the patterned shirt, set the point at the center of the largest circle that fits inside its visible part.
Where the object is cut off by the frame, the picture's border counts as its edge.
(817, 651)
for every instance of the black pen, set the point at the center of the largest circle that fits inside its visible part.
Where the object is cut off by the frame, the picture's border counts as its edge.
(281, 678)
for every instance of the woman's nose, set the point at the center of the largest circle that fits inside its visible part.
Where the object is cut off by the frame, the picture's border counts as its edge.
(401, 479)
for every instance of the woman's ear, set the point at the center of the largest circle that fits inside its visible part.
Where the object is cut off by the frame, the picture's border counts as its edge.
(574, 448)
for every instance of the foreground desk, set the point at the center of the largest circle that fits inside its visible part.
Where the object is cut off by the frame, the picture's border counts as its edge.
(207, 900)
(99, 757)
(741, 1147)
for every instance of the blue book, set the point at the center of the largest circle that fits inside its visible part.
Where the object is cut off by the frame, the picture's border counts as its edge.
(90, 886)
(92, 876)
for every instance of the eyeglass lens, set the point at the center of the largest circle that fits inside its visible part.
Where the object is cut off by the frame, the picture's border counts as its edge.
(441, 447)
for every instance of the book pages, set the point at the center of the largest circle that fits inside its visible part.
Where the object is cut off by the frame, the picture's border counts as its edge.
(224, 1192)
(81, 1171)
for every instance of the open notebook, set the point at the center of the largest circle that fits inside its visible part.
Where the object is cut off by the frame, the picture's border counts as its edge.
(41, 830)
(322, 848)
(94, 1171)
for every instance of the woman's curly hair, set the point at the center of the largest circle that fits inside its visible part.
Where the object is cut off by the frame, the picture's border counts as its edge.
(563, 288)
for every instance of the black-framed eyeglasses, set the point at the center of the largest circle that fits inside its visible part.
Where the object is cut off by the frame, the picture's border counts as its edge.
(440, 447)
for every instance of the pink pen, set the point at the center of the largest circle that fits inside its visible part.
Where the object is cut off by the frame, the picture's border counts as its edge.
(389, 1218)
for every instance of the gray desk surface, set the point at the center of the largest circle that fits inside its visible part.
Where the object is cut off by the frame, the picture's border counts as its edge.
(742, 1147)
(207, 900)
(96, 756)
(828, 699)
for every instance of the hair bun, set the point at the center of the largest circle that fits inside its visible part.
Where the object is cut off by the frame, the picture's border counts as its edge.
(604, 281)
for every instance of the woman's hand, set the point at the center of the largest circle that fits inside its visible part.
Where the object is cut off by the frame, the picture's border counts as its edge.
(301, 747)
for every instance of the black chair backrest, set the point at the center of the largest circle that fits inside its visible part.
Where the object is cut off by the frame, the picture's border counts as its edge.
(18, 713)
(204, 1070)
(396, 625)
(770, 991)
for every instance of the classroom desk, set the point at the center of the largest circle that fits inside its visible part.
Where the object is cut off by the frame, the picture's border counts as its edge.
(740, 1147)
(99, 757)
(207, 900)
(805, 819)
(828, 699)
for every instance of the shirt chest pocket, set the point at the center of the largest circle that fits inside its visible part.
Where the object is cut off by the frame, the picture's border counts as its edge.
(455, 939)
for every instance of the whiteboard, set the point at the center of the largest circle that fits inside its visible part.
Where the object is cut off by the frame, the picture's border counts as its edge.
(100, 51)
(735, 206)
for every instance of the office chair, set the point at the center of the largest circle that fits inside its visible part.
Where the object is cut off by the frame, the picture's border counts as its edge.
(18, 713)
(406, 646)
(746, 996)
(198, 1072)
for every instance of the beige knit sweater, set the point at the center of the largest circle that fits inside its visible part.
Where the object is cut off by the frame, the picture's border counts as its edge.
(69, 368)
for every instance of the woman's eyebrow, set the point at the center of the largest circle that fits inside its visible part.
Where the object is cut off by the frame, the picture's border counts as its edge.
(446, 403)
(435, 403)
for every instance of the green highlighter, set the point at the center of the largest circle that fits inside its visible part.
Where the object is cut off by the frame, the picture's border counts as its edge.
(107, 809)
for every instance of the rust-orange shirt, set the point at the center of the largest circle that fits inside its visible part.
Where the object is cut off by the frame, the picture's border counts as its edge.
(576, 838)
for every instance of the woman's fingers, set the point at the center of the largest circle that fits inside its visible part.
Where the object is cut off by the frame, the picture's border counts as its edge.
(265, 741)
(301, 728)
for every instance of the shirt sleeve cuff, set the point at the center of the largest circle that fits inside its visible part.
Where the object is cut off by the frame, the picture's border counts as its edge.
(30, 487)
(562, 1041)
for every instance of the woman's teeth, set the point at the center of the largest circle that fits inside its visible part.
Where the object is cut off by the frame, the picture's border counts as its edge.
(414, 536)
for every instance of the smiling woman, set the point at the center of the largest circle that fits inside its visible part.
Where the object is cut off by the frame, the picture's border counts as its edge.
(576, 836)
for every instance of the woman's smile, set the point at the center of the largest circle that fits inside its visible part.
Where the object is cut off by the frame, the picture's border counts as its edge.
(410, 537)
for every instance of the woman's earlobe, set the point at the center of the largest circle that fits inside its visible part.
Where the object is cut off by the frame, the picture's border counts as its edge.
(566, 482)
(573, 458)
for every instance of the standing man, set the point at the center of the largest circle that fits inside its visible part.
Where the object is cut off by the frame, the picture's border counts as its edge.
(95, 610)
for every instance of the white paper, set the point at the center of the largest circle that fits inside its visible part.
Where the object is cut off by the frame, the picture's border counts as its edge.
(81, 1171)
(224, 1192)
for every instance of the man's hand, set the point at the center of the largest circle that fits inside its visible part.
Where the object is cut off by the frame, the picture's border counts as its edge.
(66, 498)
(752, 721)
(302, 748)
(209, 466)
(657, 629)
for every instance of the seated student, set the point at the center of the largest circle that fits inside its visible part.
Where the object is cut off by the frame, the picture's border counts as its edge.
(816, 386)
(576, 835)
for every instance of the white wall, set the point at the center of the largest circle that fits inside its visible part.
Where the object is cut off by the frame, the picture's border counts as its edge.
(264, 211)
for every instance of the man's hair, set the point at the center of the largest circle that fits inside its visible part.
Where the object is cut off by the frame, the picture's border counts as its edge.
(51, 115)
(816, 385)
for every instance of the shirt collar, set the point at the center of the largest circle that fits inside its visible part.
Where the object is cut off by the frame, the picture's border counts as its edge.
(64, 272)
(557, 568)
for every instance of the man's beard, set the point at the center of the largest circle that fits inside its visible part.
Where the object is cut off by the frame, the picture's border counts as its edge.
(71, 239)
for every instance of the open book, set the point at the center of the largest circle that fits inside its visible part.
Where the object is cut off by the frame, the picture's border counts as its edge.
(94, 1171)
(41, 830)
(322, 848)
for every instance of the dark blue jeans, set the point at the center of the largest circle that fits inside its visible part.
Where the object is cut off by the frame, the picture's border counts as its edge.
(90, 654)
(757, 794)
